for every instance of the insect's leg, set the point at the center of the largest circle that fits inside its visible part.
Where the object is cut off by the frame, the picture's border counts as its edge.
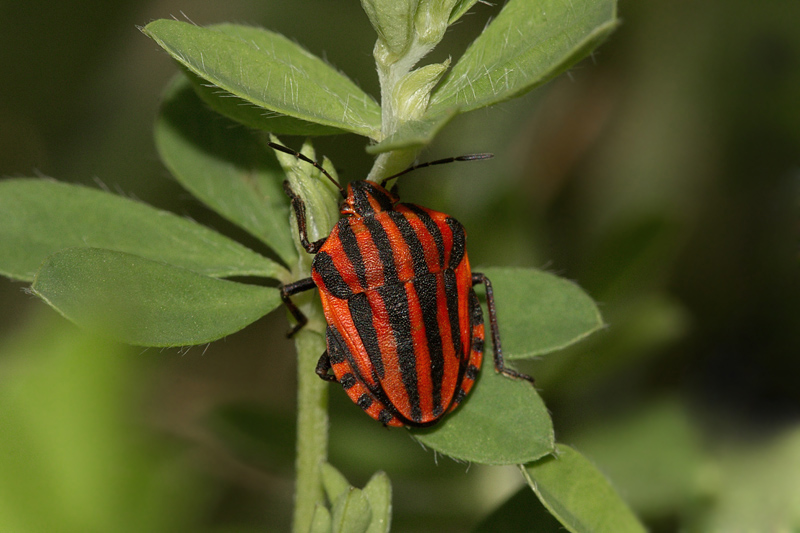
(324, 367)
(475, 356)
(290, 289)
(300, 213)
(499, 364)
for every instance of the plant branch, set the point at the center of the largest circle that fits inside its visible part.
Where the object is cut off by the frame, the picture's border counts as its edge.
(312, 428)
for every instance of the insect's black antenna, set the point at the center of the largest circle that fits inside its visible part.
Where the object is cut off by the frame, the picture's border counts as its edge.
(298, 155)
(469, 157)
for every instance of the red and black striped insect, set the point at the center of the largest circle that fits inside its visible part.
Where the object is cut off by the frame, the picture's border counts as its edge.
(405, 334)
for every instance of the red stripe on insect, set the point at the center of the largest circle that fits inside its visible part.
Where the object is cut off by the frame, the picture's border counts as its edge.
(373, 267)
(425, 237)
(423, 359)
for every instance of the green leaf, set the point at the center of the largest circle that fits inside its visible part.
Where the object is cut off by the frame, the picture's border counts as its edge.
(226, 166)
(502, 421)
(411, 93)
(250, 115)
(334, 482)
(268, 70)
(431, 21)
(143, 302)
(539, 312)
(41, 217)
(351, 512)
(460, 9)
(526, 45)
(321, 521)
(414, 134)
(523, 48)
(393, 21)
(378, 491)
(579, 495)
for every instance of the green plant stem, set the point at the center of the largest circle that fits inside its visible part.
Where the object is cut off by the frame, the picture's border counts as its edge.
(312, 428)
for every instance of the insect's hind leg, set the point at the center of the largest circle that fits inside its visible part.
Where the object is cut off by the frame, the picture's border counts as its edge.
(323, 369)
(499, 363)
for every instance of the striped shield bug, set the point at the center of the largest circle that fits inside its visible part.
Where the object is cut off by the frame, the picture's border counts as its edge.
(405, 334)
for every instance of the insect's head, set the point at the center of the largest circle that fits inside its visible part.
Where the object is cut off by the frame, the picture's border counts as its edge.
(367, 198)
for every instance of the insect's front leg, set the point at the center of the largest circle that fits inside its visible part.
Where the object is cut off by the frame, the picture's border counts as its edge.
(293, 288)
(300, 213)
(499, 364)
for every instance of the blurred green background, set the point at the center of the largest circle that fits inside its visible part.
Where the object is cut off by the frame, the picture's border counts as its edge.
(662, 174)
